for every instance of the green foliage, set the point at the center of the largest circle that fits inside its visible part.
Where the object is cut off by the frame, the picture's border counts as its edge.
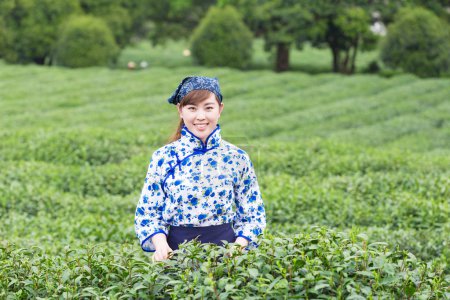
(174, 19)
(336, 153)
(222, 39)
(5, 38)
(310, 59)
(439, 7)
(29, 28)
(418, 42)
(388, 9)
(352, 24)
(85, 41)
(323, 263)
(97, 147)
(281, 23)
(116, 16)
(344, 28)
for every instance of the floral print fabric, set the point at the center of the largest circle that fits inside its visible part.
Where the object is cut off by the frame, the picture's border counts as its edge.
(191, 183)
(191, 83)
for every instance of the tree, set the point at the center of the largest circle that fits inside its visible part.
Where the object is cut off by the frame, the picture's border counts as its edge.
(116, 15)
(418, 42)
(85, 41)
(281, 23)
(440, 7)
(344, 27)
(389, 9)
(222, 39)
(30, 27)
(175, 19)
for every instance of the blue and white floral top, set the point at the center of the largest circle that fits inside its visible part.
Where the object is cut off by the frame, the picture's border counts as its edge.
(190, 183)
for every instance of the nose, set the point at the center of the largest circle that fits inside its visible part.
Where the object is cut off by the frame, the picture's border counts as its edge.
(200, 115)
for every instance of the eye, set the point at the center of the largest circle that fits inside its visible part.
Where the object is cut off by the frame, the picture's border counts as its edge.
(191, 108)
(210, 108)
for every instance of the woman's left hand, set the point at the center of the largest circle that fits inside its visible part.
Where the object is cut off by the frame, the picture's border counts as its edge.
(242, 242)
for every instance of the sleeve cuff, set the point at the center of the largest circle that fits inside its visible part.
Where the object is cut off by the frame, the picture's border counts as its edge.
(150, 247)
(245, 237)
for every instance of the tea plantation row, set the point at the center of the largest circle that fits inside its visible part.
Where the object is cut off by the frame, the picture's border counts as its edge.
(323, 264)
(364, 158)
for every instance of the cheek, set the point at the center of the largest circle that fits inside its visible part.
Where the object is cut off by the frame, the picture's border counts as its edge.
(214, 115)
(187, 115)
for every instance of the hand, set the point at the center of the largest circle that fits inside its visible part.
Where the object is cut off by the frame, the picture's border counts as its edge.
(242, 242)
(163, 251)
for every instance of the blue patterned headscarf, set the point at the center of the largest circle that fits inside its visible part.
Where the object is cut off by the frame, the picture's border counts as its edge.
(195, 83)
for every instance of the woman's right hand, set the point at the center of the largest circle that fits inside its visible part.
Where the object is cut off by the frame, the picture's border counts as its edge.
(162, 253)
(163, 250)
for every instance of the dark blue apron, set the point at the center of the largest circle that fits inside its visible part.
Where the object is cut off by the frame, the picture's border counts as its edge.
(208, 234)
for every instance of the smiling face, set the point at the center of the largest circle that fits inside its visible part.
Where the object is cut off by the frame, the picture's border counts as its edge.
(201, 117)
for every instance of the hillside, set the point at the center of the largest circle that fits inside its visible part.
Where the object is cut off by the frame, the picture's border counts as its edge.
(363, 155)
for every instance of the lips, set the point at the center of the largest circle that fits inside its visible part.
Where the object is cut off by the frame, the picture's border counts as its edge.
(201, 126)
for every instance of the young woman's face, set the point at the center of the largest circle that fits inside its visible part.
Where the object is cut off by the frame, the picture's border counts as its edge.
(201, 118)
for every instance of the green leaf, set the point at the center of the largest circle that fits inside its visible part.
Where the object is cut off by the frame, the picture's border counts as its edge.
(65, 275)
(321, 286)
(410, 289)
(253, 272)
(110, 288)
(365, 273)
(273, 284)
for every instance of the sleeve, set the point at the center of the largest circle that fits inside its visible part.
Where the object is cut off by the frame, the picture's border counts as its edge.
(250, 219)
(148, 219)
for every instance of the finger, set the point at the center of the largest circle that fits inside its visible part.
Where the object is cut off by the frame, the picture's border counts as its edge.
(158, 257)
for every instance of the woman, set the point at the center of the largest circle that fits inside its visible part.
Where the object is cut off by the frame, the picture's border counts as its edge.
(199, 185)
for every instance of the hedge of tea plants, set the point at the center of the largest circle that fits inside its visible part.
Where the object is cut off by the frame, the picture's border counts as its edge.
(321, 264)
(353, 172)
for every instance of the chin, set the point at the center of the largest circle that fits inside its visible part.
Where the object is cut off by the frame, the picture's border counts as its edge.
(202, 134)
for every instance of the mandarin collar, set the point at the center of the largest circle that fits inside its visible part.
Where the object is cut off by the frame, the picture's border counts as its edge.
(191, 140)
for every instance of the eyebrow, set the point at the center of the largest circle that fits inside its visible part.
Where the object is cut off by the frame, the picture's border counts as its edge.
(208, 103)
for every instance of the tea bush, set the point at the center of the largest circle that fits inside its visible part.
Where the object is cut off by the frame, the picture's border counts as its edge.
(353, 172)
(96, 147)
(322, 264)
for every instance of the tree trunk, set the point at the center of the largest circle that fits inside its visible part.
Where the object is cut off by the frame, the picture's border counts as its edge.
(335, 52)
(39, 60)
(355, 50)
(344, 64)
(282, 63)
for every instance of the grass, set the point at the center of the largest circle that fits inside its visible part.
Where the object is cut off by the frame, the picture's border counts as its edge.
(309, 60)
